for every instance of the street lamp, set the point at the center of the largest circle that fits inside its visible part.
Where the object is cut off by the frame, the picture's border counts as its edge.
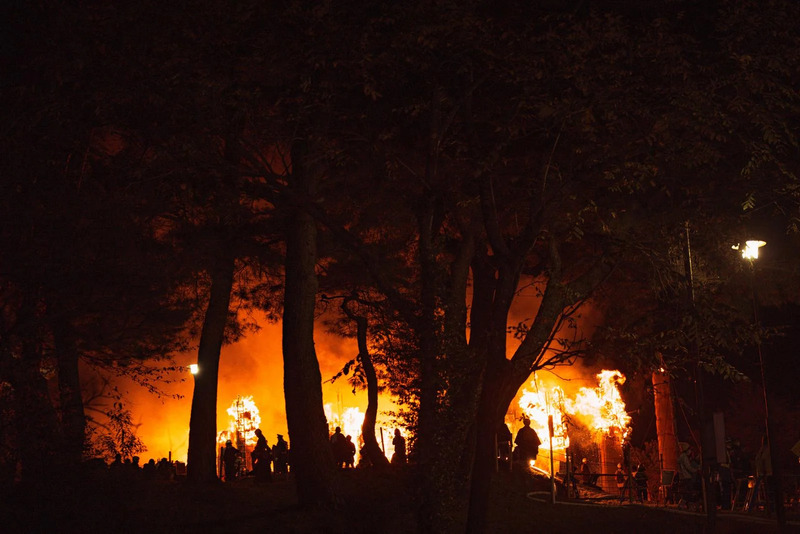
(750, 249)
(750, 253)
(194, 368)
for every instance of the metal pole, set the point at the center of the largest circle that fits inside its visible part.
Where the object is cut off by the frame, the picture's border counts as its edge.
(552, 469)
(780, 513)
(705, 469)
(496, 455)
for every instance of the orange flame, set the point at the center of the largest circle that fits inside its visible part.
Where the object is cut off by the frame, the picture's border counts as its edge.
(245, 419)
(537, 406)
(351, 421)
(601, 408)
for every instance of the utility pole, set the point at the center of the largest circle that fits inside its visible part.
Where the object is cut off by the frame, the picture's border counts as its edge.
(750, 253)
(709, 501)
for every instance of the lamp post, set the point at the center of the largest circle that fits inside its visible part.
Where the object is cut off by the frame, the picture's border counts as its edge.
(194, 368)
(750, 253)
(709, 499)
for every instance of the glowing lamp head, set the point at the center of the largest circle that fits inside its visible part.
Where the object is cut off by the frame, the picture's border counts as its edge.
(750, 249)
(194, 369)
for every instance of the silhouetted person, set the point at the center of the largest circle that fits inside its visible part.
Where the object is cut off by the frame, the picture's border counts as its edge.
(399, 442)
(621, 478)
(763, 465)
(149, 469)
(339, 447)
(350, 458)
(740, 469)
(504, 438)
(688, 480)
(116, 465)
(589, 478)
(229, 456)
(262, 457)
(640, 477)
(527, 442)
(280, 455)
(165, 469)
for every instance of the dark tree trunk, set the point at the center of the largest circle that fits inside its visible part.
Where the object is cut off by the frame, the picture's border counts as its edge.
(432, 517)
(38, 431)
(372, 450)
(73, 417)
(493, 405)
(202, 455)
(312, 459)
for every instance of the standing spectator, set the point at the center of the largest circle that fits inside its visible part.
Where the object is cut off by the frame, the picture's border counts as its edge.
(230, 455)
(527, 442)
(339, 447)
(503, 443)
(687, 473)
(262, 457)
(350, 459)
(621, 478)
(399, 442)
(640, 477)
(763, 464)
(589, 478)
(280, 455)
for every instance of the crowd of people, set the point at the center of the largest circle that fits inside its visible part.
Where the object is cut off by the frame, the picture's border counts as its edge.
(131, 469)
(265, 460)
(344, 450)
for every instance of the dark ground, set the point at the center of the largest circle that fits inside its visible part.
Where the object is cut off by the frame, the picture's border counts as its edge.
(373, 503)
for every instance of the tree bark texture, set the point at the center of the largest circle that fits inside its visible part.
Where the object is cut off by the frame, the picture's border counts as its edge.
(202, 456)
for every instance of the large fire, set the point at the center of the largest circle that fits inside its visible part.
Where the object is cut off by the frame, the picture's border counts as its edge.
(601, 409)
(350, 421)
(245, 419)
(541, 404)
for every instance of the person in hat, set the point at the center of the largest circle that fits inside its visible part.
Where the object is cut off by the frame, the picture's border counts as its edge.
(621, 478)
(589, 478)
(280, 453)
(527, 442)
(262, 458)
